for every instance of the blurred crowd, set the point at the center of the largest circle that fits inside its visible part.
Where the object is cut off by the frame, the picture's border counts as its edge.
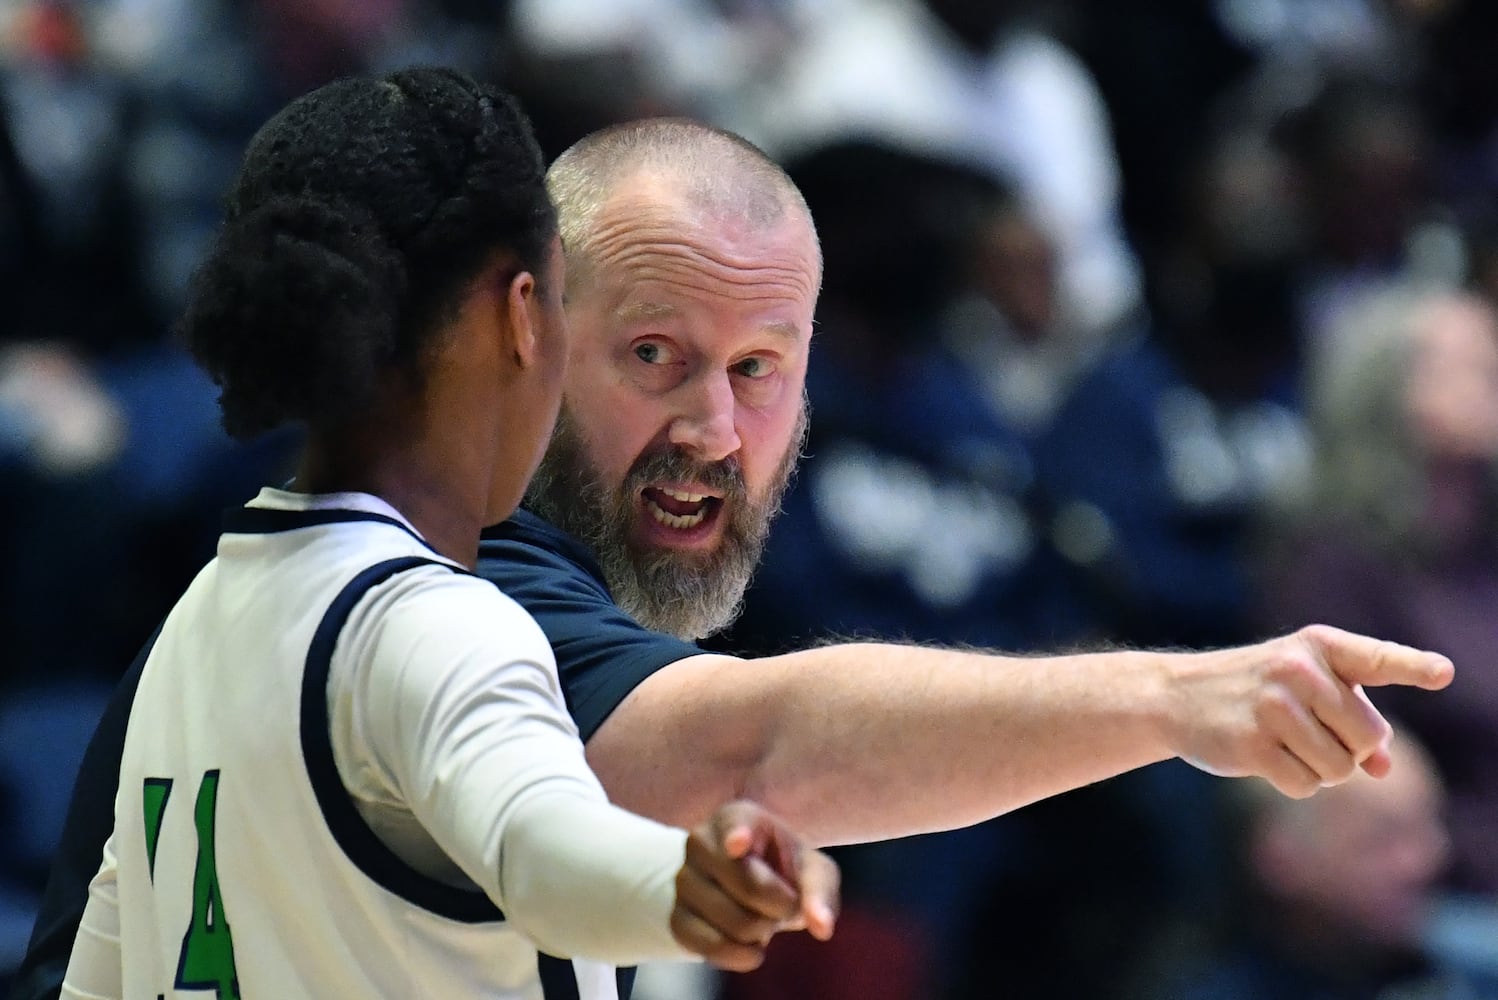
(1145, 323)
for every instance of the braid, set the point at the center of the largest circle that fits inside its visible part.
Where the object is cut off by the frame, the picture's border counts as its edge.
(362, 212)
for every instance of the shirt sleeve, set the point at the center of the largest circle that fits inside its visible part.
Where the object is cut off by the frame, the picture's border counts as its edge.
(458, 709)
(95, 970)
(602, 654)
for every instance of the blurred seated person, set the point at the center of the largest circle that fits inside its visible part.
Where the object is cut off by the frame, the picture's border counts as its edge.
(1012, 322)
(1156, 478)
(1333, 893)
(908, 519)
(1170, 445)
(909, 510)
(1400, 529)
(911, 516)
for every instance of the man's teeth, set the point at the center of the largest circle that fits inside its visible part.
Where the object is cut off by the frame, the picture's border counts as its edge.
(671, 520)
(685, 497)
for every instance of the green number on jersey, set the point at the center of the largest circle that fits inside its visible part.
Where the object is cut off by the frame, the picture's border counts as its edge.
(207, 960)
(157, 791)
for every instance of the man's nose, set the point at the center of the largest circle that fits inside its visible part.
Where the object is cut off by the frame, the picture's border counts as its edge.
(705, 423)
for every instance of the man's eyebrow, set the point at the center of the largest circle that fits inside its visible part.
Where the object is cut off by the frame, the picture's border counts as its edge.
(637, 311)
(784, 329)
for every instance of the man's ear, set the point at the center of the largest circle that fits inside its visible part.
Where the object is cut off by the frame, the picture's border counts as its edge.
(521, 295)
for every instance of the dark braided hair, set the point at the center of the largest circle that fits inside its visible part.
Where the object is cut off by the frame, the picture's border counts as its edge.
(361, 214)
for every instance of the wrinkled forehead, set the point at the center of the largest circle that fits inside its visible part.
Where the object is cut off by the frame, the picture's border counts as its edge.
(647, 233)
(749, 211)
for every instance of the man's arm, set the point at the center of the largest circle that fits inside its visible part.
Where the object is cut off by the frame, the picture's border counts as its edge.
(859, 742)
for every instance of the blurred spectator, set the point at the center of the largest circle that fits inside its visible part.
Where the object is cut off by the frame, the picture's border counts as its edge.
(1400, 530)
(1154, 469)
(1168, 449)
(122, 122)
(1333, 894)
(577, 65)
(1242, 222)
(1299, 46)
(201, 76)
(1458, 93)
(914, 516)
(1011, 323)
(67, 294)
(986, 84)
(1363, 162)
(1171, 72)
(908, 519)
(1163, 68)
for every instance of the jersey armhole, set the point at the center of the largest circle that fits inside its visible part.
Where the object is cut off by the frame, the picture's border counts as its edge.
(353, 835)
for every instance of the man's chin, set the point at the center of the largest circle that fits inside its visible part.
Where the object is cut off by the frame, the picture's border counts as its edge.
(688, 592)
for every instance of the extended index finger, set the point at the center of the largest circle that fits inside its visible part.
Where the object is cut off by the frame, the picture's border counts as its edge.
(1361, 659)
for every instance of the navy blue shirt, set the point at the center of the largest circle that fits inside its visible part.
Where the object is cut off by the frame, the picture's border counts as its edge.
(602, 655)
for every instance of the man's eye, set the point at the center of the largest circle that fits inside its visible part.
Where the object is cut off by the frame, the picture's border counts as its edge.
(653, 353)
(754, 367)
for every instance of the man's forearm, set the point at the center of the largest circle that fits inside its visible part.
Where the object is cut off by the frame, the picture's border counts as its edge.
(868, 741)
(911, 739)
(858, 742)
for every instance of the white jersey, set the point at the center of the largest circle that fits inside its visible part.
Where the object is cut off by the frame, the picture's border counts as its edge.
(244, 867)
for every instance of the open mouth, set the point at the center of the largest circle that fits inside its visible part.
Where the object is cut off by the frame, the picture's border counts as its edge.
(680, 510)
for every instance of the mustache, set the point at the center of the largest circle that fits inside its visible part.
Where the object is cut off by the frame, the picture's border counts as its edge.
(725, 477)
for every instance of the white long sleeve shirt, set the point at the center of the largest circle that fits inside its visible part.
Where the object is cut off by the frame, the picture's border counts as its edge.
(347, 757)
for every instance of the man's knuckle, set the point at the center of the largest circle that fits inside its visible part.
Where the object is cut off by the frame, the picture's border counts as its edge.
(1264, 755)
(1367, 738)
(1275, 704)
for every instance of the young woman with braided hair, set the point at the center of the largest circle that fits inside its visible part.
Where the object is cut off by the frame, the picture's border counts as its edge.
(348, 769)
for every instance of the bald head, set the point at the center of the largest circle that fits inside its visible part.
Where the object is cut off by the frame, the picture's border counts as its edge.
(692, 279)
(706, 171)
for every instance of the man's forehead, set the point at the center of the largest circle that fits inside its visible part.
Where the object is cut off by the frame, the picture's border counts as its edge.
(645, 310)
(648, 229)
(639, 192)
(669, 198)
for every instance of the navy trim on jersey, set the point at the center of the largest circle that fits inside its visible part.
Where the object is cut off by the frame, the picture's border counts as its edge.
(270, 521)
(558, 978)
(354, 836)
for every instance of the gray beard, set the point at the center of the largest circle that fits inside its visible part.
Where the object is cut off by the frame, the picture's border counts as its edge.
(689, 595)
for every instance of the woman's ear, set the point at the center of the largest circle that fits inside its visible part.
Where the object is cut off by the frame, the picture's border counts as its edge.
(520, 300)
